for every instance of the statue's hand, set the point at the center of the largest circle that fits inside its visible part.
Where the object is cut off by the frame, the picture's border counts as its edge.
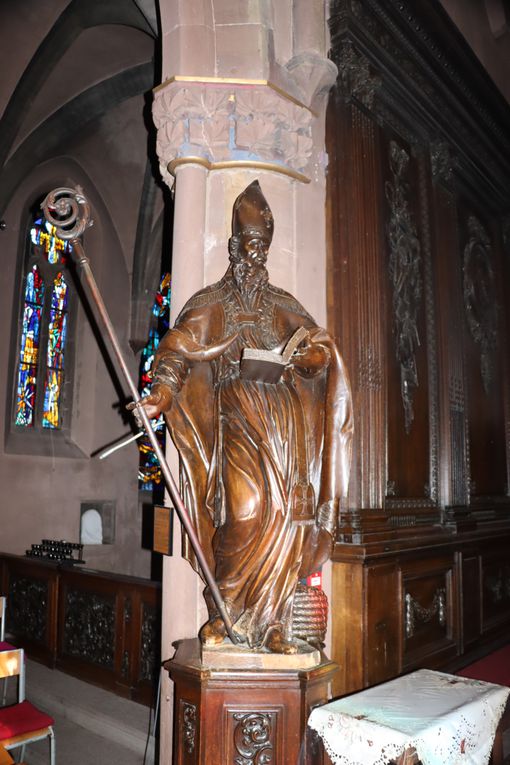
(310, 358)
(158, 401)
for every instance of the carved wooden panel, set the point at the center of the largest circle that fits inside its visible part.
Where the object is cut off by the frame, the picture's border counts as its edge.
(150, 651)
(188, 725)
(252, 735)
(103, 628)
(418, 141)
(356, 286)
(408, 292)
(484, 353)
(89, 627)
(416, 197)
(243, 716)
(471, 599)
(453, 441)
(32, 591)
(28, 607)
(495, 589)
(429, 608)
(382, 631)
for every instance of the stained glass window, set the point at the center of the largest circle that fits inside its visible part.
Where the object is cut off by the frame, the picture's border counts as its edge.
(55, 353)
(40, 375)
(149, 472)
(29, 350)
(46, 242)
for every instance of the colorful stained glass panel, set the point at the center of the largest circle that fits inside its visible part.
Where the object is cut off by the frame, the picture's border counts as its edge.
(161, 308)
(34, 290)
(45, 240)
(52, 395)
(56, 340)
(149, 472)
(59, 293)
(25, 395)
(29, 348)
(30, 332)
(57, 330)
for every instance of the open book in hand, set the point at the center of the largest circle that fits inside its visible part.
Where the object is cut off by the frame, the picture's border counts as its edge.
(267, 366)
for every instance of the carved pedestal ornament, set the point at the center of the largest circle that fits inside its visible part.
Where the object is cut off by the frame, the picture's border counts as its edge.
(189, 726)
(480, 297)
(254, 738)
(404, 268)
(241, 715)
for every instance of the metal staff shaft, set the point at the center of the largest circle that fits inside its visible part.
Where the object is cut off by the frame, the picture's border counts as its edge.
(167, 475)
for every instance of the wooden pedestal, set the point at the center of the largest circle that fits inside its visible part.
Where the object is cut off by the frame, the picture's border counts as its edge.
(244, 715)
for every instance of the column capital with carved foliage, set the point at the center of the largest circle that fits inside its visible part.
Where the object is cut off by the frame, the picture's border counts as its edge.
(223, 123)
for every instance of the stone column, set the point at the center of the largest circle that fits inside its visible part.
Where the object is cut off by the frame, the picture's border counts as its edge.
(228, 111)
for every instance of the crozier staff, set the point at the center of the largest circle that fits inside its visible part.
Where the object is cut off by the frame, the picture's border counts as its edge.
(263, 465)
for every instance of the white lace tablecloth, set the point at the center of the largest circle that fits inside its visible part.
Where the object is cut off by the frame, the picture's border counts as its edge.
(449, 720)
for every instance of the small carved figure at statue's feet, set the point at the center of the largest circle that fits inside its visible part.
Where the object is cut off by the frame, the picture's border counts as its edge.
(213, 632)
(276, 643)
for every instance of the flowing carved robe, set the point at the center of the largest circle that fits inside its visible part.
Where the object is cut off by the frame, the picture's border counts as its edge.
(263, 466)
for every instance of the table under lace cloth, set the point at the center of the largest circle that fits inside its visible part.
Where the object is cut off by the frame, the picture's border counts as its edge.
(449, 720)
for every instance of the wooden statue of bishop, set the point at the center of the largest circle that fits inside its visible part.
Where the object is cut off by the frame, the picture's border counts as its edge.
(264, 459)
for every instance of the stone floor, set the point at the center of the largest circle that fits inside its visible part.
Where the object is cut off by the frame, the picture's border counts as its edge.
(92, 726)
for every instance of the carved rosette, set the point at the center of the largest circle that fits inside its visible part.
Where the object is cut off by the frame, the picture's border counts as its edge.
(405, 276)
(254, 738)
(480, 302)
(231, 123)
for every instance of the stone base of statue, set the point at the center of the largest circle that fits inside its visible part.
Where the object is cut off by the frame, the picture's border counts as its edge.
(234, 706)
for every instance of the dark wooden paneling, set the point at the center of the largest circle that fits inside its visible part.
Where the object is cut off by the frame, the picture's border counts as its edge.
(429, 597)
(357, 285)
(418, 194)
(485, 348)
(419, 603)
(408, 444)
(382, 633)
(32, 593)
(103, 628)
(495, 588)
(471, 603)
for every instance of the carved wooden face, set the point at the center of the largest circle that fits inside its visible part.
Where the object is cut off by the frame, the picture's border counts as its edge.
(249, 262)
(253, 249)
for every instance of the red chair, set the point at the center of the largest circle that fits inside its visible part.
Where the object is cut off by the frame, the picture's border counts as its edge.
(22, 723)
(4, 646)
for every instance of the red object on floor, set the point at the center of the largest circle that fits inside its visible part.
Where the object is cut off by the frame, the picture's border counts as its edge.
(494, 668)
(22, 718)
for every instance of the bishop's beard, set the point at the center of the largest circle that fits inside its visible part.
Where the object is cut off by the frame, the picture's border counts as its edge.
(250, 281)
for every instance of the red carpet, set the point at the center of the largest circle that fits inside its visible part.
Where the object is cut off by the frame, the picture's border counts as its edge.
(494, 668)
